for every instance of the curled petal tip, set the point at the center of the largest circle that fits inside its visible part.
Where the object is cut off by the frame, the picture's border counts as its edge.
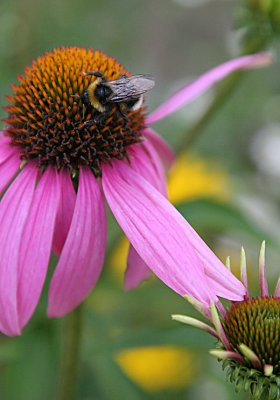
(226, 355)
(205, 81)
(243, 271)
(260, 60)
(243, 263)
(250, 355)
(218, 326)
(195, 323)
(228, 263)
(268, 369)
(262, 271)
(199, 306)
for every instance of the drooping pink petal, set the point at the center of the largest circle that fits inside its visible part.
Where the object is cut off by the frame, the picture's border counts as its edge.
(221, 280)
(8, 170)
(14, 210)
(158, 167)
(83, 253)
(156, 230)
(163, 149)
(146, 161)
(137, 270)
(196, 88)
(36, 244)
(65, 211)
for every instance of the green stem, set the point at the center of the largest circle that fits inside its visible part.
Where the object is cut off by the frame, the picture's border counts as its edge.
(72, 334)
(225, 90)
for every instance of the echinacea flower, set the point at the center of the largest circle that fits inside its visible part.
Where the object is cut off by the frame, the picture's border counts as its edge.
(248, 334)
(56, 168)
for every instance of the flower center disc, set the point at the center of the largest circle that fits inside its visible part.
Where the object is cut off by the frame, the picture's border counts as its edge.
(48, 121)
(256, 323)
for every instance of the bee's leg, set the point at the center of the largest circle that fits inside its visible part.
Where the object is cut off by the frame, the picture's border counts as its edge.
(98, 119)
(121, 112)
(89, 123)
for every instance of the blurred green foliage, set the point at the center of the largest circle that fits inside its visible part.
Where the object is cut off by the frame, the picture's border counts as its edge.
(260, 20)
(174, 42)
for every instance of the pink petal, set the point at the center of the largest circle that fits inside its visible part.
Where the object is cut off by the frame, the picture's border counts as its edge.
(2, 135)
(166, 153)
(158, 167)
(221, 280)
(4, 138)
(36, 244)
(156, 230)
(277, 289)
(136, 271)
(14, 210)
(65, 211)
(83, 254)
(205, 81)
(146, 161)
(8, 170)
(6, 150)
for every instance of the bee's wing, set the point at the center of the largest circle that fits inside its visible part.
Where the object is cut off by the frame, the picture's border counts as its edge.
(127, 88)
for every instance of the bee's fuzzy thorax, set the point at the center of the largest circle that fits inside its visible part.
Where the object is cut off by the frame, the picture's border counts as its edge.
(91, 95)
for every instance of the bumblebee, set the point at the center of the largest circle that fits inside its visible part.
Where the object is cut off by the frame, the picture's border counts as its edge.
(125, 92)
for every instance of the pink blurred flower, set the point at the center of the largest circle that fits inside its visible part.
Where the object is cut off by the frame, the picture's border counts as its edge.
(47, 150)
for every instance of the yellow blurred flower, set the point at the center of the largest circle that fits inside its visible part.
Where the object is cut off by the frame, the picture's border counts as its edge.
(118, 258)
(192, 177)
(159, 368)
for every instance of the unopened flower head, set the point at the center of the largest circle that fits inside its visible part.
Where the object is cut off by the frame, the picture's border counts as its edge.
(249, 338)
(76, 134)
(260, 23)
